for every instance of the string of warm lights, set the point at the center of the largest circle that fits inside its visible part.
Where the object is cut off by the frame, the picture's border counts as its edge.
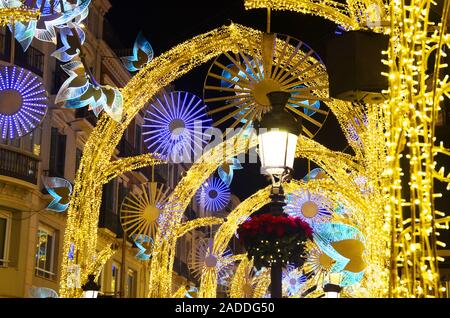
(412, 110)
(19, 14)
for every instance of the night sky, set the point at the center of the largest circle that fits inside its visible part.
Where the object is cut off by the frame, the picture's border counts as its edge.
(173, 22)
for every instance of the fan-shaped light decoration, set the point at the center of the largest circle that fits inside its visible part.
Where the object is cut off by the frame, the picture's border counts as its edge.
(61, 190)
(293, 281)
(175, 125)
(42, 292)
(214, 195)
(317, 264)
(247, 282)
(345, 245)
(311, 208)
(226, 170)
(80, 90)
(145, 246)
(204, 259)
(237, 84)
(141, 214)
(142, 54)
(23, 102)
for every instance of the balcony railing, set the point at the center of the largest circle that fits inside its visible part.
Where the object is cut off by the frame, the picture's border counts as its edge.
(19, 166)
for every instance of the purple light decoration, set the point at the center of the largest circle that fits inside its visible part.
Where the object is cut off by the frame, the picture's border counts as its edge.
(214, 195)
(175, 126)
(23, 102)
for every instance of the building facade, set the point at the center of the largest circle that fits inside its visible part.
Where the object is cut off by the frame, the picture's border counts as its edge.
(31, 238)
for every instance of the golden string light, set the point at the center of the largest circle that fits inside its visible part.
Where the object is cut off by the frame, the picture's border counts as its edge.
(412, 109)
(19, 14)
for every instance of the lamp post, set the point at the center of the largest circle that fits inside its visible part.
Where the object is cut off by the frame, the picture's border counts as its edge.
(91, 288)
(278, 136)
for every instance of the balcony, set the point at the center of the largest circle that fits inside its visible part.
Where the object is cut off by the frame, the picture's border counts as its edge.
(126, 149)
(32, 59)
(17, 165)
(85, 113)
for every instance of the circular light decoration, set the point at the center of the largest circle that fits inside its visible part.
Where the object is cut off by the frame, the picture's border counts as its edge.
(23, 102)
(42, 292)
(214, 195)
(142, 214)
(237, 84)
(317, 264)
(293, 281)
(204, 259)
(311, 208)
(175, 126)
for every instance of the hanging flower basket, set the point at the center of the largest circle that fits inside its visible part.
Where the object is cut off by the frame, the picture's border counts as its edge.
(275, 239)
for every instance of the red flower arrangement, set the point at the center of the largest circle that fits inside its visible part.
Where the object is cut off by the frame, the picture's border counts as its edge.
(272, 238)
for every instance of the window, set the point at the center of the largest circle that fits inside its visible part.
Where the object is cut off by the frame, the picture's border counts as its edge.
(5, 231)
(115, 278)
(131, 284)
(27, 143)
(45, 252)
(57, 154)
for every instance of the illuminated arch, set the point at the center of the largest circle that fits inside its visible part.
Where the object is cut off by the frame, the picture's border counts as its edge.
(96, 166)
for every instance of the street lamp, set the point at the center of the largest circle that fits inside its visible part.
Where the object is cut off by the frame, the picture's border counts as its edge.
(278, 136)
(91, 288)
(333, 288)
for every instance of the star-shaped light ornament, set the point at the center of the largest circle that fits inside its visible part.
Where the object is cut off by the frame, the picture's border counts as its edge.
(142, 55)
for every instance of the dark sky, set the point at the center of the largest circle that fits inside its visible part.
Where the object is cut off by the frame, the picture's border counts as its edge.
(168, 23)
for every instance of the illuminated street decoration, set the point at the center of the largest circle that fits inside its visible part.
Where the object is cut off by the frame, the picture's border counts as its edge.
(345, 245)
(317, 173)
(55, 15)
(293, 281)
(23, 102)
(247, 282)
(81, 90)
(204, 260)
(226, 171)
(214, 195)
(61, 190)
(174, 126)
(70, 42)
(311, 208)
(144, 244)
(13, 10)
(42, 292)
(192, 292)
(142, 55)
(143, 214)
(237, 84)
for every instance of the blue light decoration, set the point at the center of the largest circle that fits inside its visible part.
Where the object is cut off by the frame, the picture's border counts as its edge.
(55, 15)
(71, 254)
(340, 30)
(311, 208)
(293, 281)
(61, 190)
(352, 133)
(42, 292)
(142, 55)
(175, 126)
(328, 236)
(226, 171)
(214, 195)
(140, 241)
(23, 102)
(192, 290)
(81, 90)
(70, 45)
(10, 3)
(317, 173)
(249, 74)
